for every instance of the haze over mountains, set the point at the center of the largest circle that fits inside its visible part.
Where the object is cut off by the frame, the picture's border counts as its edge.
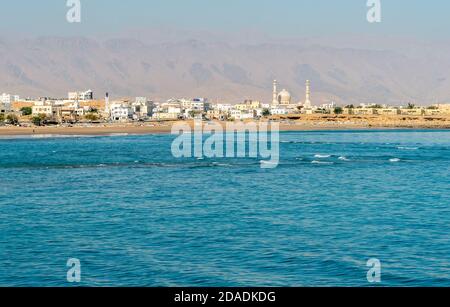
(353, 70)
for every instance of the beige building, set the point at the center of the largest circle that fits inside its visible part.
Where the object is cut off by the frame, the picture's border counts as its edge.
(248, 105)
(165, 116)
(412, 112)
(47, 110)
(443, 108)
(435, 112)
(216, 114)
(253, 104)
(388, 111)
(360, 111)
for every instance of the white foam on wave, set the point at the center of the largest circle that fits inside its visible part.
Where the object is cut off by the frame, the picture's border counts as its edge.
(268, 162)
(394, 160)
(342, 158)
(322, 156)
(220, 164)
(118, 134)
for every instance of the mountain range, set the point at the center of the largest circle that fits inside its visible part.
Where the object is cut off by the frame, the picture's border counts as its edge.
(346, 72)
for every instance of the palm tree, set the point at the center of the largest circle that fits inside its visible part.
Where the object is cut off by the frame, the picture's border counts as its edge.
(12, 119)
(266, 112)
(338, 110)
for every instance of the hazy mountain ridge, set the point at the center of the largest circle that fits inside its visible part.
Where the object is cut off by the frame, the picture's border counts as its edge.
(52, 66)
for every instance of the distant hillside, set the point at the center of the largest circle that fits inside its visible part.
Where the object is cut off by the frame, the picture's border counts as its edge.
(226, 71)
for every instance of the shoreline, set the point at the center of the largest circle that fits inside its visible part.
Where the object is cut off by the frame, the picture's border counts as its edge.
(133, 129)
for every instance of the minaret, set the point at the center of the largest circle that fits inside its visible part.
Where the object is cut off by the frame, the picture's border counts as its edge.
(307, 103)
(107, 110)
(275, 93)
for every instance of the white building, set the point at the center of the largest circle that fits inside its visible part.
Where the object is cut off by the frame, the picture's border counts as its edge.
(329, 106)
(279, 111)
(259, 112)
(142, 108)
(174, 110)
(241, 115)
(8, 98)
(120, 111)
(198, 104)
(5, 108)
(84, 96)
(370, 105)
(225, 108)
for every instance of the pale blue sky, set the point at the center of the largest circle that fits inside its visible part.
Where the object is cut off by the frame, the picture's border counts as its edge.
(412, 18)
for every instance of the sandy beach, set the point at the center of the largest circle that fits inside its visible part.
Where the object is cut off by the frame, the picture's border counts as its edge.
(85, 130)
(305, 124)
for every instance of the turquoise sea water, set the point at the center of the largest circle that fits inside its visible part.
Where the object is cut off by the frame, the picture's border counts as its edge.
(135, 216)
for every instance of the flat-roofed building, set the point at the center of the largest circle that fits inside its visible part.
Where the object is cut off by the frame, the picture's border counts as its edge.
(434, 112)
(216, 114)
(443, 108)
(225, 108)
(47, 110)
(198, 104)
(360, 111)
(87, 95)
(142, 108)
(241, 115)
(388, 111)
(165, 116)
(5, 108)
(412, 112)
(8, 98)
(121, 111)
(279, 111)
(242, 107)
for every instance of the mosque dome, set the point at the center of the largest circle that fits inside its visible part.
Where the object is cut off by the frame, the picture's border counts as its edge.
(284, 97)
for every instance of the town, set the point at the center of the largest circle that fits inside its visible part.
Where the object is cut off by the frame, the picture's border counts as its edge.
(83, 108)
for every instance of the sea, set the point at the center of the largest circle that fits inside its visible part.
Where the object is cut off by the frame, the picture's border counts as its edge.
(134, 215)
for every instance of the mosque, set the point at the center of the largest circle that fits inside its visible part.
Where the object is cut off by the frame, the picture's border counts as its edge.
(283, 98)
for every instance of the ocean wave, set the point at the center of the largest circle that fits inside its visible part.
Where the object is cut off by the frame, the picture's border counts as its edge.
(45, 136)
(394, 160)
(268, 162)
(117, 134)
(342, 158)
(407, 148)
(322, 162)
(221, 164)
(322, 156)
